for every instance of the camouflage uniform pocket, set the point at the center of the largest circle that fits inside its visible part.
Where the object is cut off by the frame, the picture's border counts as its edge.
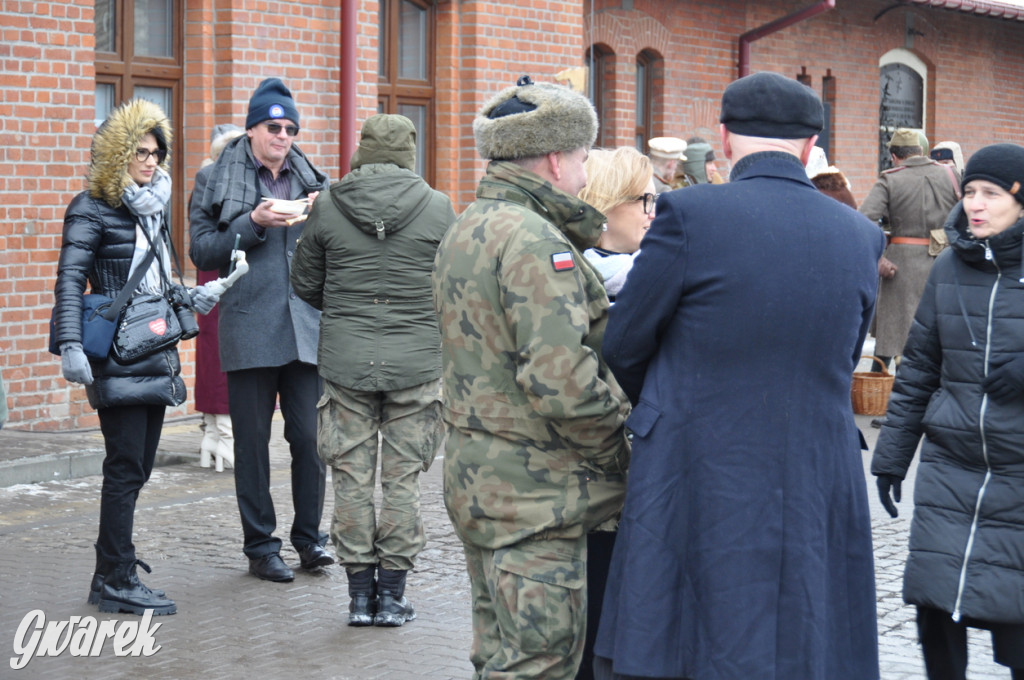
(540, 596)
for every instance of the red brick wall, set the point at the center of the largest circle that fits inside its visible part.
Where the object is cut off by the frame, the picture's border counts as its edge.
(47, 75)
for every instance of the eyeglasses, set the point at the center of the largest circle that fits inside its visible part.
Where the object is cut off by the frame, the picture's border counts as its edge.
(275, 129)
(648, 200)
(142, 155)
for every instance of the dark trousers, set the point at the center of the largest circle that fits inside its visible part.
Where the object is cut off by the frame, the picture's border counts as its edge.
(600, 545)
(130, 435)
(944, 644)
(252, 394)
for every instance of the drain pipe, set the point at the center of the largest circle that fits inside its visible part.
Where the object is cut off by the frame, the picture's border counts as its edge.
(347, 86)
(777, 25)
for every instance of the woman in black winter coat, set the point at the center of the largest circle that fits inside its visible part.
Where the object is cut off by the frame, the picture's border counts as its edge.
(105, 238)
(961, 385)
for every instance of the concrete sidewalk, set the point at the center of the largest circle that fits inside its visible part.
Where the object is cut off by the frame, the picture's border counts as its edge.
(30, 457)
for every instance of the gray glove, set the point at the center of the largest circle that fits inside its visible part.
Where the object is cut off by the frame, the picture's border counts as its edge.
(74, 364)
(206, 296)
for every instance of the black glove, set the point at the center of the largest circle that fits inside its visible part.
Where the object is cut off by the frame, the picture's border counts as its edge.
(885, 483)
(1006, 380)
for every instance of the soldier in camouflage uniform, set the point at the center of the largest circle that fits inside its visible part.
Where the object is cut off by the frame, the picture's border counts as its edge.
(536, 450)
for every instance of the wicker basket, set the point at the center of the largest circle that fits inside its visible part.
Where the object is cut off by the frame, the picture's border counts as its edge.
(870, 391)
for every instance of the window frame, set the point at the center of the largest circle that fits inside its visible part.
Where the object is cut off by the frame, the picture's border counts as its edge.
(394, 91)
(125, 71)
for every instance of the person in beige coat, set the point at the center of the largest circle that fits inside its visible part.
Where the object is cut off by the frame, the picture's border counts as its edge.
(908, 201)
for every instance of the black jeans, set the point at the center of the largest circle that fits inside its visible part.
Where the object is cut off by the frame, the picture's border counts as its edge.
(944, 644)
(130, 435)
(252, 394)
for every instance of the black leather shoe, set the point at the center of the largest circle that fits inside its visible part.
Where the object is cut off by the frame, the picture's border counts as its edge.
(271, 568)
(877, 423)
(314, 556)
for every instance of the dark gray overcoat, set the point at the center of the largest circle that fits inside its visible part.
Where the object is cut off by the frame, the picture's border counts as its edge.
(263, 323)
(745, 549)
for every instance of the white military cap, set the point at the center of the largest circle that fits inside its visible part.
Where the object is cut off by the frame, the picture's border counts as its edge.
(667, 147)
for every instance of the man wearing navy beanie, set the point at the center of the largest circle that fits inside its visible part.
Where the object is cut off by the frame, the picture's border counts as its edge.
(271, 101)
(255, 198)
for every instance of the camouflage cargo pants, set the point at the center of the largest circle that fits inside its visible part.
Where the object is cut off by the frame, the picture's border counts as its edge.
(529, 609)
(405, 428)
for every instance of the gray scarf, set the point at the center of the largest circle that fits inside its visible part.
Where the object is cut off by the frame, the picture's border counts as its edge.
(148, 203)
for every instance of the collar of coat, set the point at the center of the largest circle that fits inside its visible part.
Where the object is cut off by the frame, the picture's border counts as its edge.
(770, 164)
(233, 187)
(579, 221)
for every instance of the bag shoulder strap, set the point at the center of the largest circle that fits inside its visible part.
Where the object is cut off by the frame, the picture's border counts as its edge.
(111, 313)
(952, 178)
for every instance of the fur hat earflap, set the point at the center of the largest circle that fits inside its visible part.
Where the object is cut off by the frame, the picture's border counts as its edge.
(115, 143)
(533, 119)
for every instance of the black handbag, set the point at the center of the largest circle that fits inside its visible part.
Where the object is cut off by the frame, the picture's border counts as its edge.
(100, 316)
(147, 325)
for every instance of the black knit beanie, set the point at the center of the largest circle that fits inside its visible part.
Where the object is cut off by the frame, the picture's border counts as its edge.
(1001, 164)
(271, 100)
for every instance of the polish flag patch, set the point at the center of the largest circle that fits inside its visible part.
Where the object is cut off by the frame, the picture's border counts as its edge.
(158, 326)
(563, 261)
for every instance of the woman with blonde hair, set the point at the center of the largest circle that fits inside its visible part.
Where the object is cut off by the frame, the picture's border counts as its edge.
(620, 183)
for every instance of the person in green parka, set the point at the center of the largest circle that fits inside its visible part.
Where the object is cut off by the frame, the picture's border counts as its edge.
(364, 260)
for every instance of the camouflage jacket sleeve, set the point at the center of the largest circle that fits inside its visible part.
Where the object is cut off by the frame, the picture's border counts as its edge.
(551, 309)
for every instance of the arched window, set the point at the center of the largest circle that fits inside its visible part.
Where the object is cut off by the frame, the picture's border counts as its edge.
(599, 58)
(903, 81)
(406, 72)
(646, 62)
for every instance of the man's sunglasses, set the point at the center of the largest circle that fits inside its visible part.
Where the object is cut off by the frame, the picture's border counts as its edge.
(275, 129)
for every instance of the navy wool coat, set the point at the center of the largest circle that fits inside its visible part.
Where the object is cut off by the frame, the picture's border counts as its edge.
(745, 549)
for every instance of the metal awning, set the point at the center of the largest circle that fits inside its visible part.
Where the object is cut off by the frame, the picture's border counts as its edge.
(1012, 11)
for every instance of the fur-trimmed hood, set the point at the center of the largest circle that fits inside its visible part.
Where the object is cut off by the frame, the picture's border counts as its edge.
(115, 143)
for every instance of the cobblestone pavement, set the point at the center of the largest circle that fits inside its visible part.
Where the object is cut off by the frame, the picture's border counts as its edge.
(231, 625)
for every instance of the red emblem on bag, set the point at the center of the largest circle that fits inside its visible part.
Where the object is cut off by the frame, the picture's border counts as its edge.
(158, 326)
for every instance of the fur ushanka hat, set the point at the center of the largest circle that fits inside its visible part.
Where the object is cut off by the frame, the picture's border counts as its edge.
(115, 143)
(533, 119)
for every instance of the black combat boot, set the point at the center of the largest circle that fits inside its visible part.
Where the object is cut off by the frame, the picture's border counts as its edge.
(392, 607)
(362, 589)
(103, 567)
(122, 591)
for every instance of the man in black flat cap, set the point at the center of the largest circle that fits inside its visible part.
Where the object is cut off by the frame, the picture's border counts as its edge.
(744, 549)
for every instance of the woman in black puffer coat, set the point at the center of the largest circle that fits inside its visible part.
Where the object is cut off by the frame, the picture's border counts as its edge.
(103, 241)
(961, 385)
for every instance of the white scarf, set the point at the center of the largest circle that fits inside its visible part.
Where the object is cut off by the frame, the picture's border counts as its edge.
(149, 203)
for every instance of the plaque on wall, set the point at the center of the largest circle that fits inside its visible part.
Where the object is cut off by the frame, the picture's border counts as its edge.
(901, 106)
